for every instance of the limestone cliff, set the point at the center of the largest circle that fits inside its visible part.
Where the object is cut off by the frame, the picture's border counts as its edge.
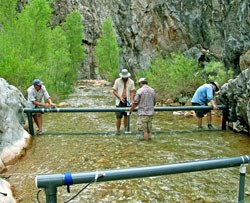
(218, 28)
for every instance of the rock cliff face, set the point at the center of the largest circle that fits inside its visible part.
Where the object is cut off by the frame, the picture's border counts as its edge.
(236, 94)
(218, 28)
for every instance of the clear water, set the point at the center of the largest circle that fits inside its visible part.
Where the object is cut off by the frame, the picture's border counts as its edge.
(79, 142)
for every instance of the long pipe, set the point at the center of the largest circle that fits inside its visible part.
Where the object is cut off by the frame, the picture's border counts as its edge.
(51, 181)
(29, 112)
(166, 108)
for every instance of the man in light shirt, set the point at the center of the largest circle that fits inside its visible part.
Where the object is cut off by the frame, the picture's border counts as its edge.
(38, 97)
(123, 90)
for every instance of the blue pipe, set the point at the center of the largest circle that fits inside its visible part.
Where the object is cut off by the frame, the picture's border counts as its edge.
(51, 181)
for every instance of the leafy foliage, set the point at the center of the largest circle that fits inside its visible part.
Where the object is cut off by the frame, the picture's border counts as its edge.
(173, 76)
(107, 52)
(214, 71)
(30, 48)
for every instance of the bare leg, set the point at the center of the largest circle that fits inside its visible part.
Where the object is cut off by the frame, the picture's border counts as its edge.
(149, 135)
(145, 135)
(125, 122)
(199, 122)
(38, 121)
(118, 124)
(209, 118)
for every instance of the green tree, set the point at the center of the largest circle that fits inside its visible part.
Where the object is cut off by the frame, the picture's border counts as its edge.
(107, 52)
(73, 30)
(32, 31)
(59, 64)
(7, 12)
(30, 48)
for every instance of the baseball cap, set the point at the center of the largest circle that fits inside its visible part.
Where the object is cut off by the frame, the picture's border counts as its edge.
(37, 82)
(142, 80)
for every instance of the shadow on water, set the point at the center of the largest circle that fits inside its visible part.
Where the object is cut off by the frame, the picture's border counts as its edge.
(80, 142)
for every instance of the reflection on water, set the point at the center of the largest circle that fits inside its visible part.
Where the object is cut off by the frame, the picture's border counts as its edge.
(70, 145)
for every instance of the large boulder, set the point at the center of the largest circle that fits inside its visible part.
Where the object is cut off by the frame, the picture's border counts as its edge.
(236, 94)
(13, 138)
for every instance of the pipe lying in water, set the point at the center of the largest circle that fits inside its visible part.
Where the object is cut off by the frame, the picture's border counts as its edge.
(50, 182)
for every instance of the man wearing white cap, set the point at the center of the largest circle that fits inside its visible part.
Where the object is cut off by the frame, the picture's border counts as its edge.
(145, 99)
(36, 94)
(123, 89)
(203, 95)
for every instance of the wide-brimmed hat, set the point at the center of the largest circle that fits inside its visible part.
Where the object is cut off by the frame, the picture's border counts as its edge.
(124, 74)
(216, 84)
(37, 82)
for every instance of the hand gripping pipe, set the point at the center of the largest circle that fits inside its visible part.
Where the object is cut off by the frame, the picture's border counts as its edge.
(50, 182)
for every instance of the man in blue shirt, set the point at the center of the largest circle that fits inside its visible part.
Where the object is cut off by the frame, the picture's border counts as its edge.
(202, 96)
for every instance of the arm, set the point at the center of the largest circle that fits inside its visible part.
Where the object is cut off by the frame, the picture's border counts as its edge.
(50, 102)
(36, 103)
(215, 107)
(115, 92)
(132, 94)
(133, 106)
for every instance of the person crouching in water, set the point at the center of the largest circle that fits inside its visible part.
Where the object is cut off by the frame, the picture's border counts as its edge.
(36, 94)
(202, 96)
(145, 99)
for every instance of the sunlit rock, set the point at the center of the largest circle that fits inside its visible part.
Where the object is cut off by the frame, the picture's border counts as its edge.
(6, 193)
(63, 104)
(14, 139)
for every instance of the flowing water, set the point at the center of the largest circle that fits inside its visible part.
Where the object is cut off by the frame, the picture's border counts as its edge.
(80, 142)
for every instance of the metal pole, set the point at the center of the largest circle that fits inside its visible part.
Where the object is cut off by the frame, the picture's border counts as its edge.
(55, 180)
(167, 108)
(128, 123)
(30, 122)
(51, 189)
(29, 112)
(224, 119)
(242, 183)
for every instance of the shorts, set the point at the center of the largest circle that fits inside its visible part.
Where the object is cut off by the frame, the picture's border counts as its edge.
(201, 112)
(120, 114)
(144, 123)
(33, 114)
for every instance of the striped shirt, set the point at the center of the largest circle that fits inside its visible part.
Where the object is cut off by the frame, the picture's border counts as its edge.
(145, 99)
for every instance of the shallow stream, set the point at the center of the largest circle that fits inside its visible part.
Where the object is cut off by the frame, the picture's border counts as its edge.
(80, 142)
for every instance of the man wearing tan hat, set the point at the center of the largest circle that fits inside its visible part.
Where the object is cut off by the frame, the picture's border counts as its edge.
(123, 89)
